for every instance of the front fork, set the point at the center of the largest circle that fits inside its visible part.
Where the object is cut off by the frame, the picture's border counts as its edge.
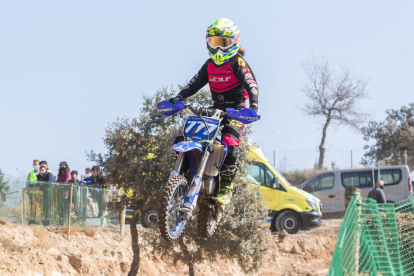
(192, 194)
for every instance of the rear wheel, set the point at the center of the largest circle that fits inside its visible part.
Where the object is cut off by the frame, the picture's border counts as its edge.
(206, 224)
(171, 219)
(288, 221)
(149, 218)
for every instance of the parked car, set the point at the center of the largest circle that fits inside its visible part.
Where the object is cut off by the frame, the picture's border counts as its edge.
(330, 186)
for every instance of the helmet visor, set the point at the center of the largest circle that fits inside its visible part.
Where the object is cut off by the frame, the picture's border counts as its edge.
(219, 41)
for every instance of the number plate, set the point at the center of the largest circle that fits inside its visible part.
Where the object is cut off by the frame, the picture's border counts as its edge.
(196, 130)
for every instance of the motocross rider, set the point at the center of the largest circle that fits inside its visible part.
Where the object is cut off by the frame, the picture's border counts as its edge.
(231, 82)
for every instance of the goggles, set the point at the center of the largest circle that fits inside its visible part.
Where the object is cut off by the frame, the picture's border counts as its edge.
(215, 42)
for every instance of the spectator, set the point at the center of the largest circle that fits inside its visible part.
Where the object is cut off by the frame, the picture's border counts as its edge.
(63, 192)
(74, 177)
(88, 174)
(45, 174)
(44, 163)
(32, 183)
(64, 173)
(97, 178)
(46, 177)
(75, 201)
(32, 177)
(89, 195)
(377, 193)
(99, 181)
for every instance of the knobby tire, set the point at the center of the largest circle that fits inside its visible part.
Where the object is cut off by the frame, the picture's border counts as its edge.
(205, 216)
(163, 214)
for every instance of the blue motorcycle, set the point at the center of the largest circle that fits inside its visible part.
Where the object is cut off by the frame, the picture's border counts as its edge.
(194, 182)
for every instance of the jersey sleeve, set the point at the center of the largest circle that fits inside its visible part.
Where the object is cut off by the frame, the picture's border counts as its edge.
(196, 83)
(245, 74)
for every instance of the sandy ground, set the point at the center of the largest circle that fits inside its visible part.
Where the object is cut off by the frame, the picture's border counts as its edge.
(34, 250)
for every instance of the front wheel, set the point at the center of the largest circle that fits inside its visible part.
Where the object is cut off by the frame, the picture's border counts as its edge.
(171, 219)
(289, 221)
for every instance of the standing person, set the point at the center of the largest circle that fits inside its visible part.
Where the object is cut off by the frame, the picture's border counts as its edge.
(32, 183)
(63, 191)
(377, 193)
(32, 176)
(99, 181)
(46, 178)
(75, 181)
(89, 195)
(231, 82)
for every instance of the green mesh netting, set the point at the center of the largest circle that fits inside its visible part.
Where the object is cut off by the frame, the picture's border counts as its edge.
(375, 239)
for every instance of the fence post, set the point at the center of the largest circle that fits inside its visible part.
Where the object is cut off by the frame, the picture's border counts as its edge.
(24, 203)
(70, 208)
(21, 206)
(122, 220)
(354, 192)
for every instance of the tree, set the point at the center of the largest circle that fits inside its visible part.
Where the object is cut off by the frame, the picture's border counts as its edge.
(333, 97)
(241, 235)
(391, 137)
(4, 188)
(139, 159)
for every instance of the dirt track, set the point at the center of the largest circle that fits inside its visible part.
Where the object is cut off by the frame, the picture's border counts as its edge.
(28, 250)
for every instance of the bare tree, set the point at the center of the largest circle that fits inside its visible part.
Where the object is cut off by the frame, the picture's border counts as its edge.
(334, 97)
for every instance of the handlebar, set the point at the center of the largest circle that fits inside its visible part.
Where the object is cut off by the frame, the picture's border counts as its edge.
(205, 111)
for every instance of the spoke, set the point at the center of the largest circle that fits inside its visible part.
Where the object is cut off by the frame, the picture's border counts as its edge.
(173, 215)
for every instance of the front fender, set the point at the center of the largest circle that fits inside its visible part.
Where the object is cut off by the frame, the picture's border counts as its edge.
(185, 146)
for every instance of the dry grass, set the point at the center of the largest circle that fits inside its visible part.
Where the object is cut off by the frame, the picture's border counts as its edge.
(43, 240)
(298, 177)
(90, 232)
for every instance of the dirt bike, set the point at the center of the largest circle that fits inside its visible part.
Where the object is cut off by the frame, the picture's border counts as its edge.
(194, 181)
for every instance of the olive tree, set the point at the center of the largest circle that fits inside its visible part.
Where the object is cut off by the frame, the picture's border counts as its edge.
(139, 159)
(392, 138)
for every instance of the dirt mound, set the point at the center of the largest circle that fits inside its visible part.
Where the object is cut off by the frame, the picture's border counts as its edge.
(28, 250)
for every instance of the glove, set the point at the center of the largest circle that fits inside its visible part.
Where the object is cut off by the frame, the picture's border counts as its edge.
(175, 99)
(254, 107)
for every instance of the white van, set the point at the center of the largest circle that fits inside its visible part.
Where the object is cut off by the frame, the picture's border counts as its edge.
(329, 186)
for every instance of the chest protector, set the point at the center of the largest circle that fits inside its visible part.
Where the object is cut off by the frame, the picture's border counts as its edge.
(221, 79)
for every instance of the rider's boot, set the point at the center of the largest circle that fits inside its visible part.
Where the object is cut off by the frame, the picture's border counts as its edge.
(227, 174)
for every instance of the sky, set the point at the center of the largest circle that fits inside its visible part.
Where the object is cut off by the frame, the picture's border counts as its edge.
(69, 68)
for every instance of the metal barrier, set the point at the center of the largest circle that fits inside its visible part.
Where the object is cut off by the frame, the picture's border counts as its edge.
(50, 203)
(11, 207)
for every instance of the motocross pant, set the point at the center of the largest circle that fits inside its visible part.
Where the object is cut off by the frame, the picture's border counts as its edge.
(231, 135)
